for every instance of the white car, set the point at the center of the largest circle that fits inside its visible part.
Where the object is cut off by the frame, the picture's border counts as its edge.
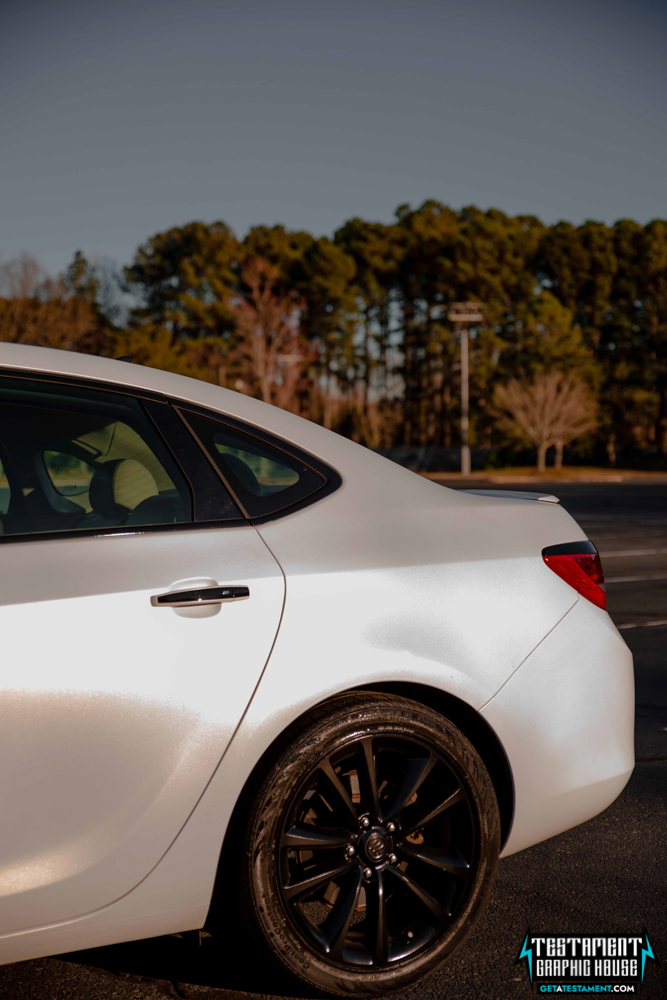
(252, 669)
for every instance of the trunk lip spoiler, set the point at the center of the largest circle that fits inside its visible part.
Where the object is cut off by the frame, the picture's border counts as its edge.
(514, 495)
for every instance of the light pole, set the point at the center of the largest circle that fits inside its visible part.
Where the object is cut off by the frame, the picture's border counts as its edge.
(460, 314)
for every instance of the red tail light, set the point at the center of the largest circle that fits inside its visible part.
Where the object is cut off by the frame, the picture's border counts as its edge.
(578, 563)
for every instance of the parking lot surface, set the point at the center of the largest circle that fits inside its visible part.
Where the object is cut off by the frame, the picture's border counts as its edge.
(608, 875)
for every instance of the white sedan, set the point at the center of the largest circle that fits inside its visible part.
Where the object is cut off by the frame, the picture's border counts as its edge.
(252, 669)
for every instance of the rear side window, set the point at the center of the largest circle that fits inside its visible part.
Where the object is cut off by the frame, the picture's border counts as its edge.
(76, 459)
(70, 476)
(264, 477)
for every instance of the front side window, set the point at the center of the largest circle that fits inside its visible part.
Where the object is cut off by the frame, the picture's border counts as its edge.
(77, 458)
(263, 476)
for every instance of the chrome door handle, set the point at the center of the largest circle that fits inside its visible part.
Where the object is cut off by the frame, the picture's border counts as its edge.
(202, 595)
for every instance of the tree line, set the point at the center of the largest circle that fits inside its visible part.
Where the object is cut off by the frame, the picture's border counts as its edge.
(353, 332)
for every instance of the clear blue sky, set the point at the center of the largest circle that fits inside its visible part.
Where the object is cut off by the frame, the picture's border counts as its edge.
(123, 118)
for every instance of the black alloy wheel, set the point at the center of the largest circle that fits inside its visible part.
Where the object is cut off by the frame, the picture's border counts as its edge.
(372, 846)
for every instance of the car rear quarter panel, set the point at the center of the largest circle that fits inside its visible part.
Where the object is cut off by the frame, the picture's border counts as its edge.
(566, 721)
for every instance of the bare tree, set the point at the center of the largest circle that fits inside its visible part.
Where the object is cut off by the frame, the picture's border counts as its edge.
(38, 309)
(550, 410)
(23, 277)
(267, 326)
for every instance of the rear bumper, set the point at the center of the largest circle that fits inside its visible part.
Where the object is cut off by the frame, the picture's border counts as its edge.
(566, 721)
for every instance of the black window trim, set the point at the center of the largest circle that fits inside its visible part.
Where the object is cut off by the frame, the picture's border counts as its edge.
(152, 408)
(332, 479)
(46, 536)
(82, 381)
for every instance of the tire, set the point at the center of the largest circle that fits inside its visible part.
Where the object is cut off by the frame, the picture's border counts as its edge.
(388, 814)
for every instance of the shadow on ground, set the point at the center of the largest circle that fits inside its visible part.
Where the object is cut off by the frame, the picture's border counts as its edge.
(187, 966)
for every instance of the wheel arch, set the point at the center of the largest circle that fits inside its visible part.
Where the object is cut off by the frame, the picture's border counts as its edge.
(474, 728)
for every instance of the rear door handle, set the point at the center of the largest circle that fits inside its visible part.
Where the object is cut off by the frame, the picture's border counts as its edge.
(202, 595)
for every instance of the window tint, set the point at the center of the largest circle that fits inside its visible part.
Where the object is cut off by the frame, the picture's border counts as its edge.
(80, 458)
(265, 478)
(70, 476)
(268, 475)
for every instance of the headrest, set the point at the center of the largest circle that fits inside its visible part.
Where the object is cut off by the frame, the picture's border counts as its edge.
(243, 473)
(117, 487)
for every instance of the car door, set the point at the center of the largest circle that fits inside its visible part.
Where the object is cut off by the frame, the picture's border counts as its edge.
(121, 686)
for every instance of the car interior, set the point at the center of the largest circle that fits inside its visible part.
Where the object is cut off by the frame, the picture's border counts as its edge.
(69, 464)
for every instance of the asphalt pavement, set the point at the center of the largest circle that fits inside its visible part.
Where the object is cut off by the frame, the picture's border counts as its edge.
(607, 875)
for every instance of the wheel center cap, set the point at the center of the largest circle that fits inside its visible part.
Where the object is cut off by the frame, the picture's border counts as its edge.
(376, 847)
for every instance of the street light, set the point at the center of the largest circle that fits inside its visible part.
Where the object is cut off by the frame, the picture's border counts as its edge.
(460, 314)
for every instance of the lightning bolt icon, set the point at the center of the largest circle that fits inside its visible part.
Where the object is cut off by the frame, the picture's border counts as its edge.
(647, 952)
(528, 953)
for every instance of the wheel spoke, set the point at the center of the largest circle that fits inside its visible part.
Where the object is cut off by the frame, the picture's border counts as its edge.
(311, 882)
(304, 837)
(371, 775)
(418, 770)
(377, 936)
(454, 863)
(452, 800)
(426, 898)
(339, 788)
(335, 927)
